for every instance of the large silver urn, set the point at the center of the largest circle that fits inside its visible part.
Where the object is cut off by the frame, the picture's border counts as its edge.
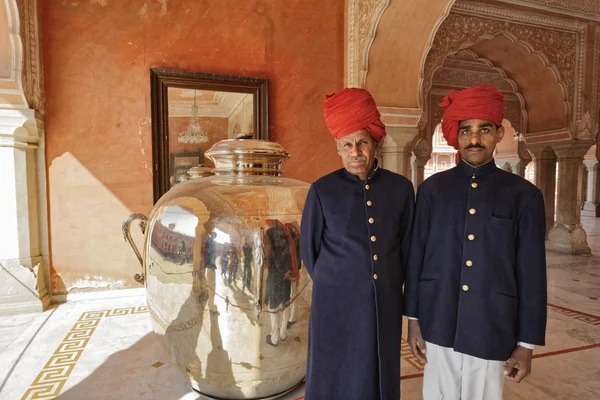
(226, 289)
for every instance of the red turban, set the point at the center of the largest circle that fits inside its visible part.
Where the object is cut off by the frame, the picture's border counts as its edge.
(351, 110)
(477, 102)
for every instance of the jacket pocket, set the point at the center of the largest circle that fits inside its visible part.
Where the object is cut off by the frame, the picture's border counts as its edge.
(502, 221)
(510, 296)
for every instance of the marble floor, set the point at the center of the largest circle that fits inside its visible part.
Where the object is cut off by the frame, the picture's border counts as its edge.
(101, 346)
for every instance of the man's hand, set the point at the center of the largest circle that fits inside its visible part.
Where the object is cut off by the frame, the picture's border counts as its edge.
(518, 365)
(415, 340)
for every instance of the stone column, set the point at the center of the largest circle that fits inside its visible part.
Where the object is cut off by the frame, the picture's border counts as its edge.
(418, 169)
(584, 184)
(567, 235)
(515, 165)
(545, 172)
(24, 275)
(394, 152)
(591, 202)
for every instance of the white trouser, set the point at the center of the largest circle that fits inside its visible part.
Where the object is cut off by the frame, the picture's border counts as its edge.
(210, 280)
(279, 322)
(293, 305)
(450, 375)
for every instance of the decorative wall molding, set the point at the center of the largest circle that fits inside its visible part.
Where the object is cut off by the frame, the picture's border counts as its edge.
(363, 17)
(584, 128)
(587, 9)
(33, 70)
(595, 80)
(560, 44)
(467, 78)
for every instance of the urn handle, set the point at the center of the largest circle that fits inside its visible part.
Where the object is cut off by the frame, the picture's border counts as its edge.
(127, 236)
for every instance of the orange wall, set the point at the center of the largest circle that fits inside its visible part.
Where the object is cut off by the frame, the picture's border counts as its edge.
(98, 129)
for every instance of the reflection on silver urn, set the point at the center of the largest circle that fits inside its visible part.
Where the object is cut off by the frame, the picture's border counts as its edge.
(226, 289)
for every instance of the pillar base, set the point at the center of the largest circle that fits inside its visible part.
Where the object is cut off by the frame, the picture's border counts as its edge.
(563, 240)
(24, 288)
(593, 207)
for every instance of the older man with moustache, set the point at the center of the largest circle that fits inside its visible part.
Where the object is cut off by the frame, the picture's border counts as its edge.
(354, 240)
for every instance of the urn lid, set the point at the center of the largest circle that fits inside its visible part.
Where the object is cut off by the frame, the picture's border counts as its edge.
(244, 156)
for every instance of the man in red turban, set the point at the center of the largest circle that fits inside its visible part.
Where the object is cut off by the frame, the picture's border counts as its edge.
(477, 102)
(476, 279)
(354, 239)
(354, 121)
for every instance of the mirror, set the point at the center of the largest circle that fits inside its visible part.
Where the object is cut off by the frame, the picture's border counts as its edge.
(191, 111)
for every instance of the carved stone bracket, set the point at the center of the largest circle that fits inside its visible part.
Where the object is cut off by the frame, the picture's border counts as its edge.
(422, 148)
(363, 17)
(585, 127)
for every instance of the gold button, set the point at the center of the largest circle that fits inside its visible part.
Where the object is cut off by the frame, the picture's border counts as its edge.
(373, 238)
(371, 220)
(367, 187)
(375, 276)
(469, 263)
(465, 288)
(474, 185)
(369, 203)
(375, 257)
(472, 211)
(471, 236)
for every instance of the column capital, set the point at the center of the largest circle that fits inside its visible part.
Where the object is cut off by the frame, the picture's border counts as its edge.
(401, 116)
(542, 152)
(20, 128)
(399, 137)
(572, 149)
(591, 164)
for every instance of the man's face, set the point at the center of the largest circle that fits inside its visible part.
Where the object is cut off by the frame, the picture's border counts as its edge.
(477, 140)
(358, 153)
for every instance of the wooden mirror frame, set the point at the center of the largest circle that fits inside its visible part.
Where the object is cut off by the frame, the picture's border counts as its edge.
(162, 79)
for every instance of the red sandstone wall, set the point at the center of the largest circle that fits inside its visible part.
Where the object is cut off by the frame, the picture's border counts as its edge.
(97, 60)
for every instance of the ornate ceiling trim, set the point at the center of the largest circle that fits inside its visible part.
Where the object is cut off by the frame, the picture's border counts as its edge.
(558, 43)
(363, 17)
(587, 9)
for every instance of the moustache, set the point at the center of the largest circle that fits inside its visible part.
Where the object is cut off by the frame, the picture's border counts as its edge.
(475, 146)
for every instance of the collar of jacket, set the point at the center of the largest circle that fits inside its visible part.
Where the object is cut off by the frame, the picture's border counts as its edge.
(370, 178)
(476, 172)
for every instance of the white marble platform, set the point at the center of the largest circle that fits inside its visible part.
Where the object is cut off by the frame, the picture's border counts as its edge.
(100, 346)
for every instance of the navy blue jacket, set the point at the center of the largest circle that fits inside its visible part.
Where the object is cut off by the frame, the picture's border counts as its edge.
(355, 319)
(476, 279)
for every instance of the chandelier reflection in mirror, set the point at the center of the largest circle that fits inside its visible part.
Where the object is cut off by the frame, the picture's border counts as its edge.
(193, 133)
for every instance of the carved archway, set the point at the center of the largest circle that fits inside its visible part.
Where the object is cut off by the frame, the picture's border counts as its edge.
(400, 32)
(561, 50)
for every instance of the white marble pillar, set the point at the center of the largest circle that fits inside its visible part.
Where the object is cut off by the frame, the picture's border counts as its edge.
(591, 202)
(24, 275)
(567, 235)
